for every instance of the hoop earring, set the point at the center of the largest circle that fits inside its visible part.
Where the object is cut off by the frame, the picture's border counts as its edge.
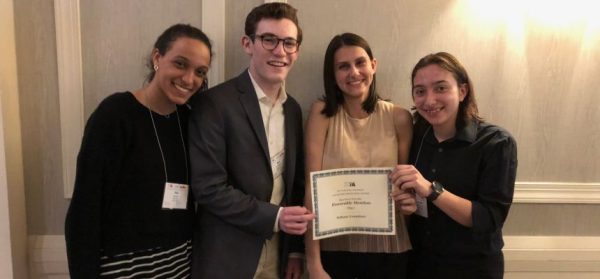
(155, 67)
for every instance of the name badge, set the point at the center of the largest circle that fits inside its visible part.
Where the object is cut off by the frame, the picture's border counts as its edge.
(278, 163)
(175, 196)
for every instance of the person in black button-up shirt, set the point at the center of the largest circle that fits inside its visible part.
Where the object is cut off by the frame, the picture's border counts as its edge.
(466, 169)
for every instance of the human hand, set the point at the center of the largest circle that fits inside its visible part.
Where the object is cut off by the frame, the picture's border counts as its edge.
(294, 268)
(407, 177)
(317, 272)
(405, 200)
(294, 219)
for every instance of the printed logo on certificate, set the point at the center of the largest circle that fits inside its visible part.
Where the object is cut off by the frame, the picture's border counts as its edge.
(352, 201)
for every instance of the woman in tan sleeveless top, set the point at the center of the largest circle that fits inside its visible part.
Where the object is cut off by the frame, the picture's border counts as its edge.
(352, 127)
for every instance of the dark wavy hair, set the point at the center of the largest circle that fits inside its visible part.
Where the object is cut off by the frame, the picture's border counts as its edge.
(467, 109)
(273, 10)
(334, 97)
(165, 41)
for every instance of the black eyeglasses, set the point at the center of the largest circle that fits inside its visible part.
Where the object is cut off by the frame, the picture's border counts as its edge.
(270, 42)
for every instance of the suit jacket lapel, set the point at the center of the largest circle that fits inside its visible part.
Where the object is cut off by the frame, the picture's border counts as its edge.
(290, 148)
(249, 101)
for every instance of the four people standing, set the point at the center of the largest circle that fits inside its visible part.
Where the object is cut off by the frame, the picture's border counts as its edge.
(247, 169)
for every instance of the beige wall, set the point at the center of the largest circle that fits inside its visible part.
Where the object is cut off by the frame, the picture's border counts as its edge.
(38, 86)
(537, 82)
(116, 36)
(553, 220)
(236, 60)
(13, 231)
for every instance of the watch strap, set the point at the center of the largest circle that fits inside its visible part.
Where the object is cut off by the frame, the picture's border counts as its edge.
(436, 190)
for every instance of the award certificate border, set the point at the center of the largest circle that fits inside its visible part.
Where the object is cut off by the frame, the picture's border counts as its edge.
(346, 230)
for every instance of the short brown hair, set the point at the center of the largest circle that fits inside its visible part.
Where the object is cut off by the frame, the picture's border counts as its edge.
(274, 10)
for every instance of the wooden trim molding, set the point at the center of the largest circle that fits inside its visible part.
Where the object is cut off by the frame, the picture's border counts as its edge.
(557, 192)
(70, 86)
(554, 254)
(48, 256)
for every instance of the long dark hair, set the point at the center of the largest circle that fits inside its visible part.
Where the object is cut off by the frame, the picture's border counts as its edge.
(333, 95)
(467, 109)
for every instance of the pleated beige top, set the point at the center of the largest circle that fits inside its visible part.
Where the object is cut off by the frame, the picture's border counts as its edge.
(366, 142)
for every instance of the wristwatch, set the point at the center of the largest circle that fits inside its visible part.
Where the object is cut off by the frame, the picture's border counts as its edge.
(436, 190)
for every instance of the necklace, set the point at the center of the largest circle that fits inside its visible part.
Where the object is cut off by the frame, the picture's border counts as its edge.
(421, 145)
(162, 155)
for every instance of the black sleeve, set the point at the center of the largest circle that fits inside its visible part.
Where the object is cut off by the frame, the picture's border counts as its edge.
(496, 186)
(297, 241)
(210, 182)
(97, 165)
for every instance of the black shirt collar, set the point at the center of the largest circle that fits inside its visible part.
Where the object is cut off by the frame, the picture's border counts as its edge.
(468, 134)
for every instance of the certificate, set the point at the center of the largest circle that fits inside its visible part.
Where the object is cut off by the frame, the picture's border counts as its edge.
(352, 201)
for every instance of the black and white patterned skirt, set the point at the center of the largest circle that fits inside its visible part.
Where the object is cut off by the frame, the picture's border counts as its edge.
(160, 262)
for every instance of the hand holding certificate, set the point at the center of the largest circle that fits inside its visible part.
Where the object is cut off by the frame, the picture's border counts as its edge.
(354, 200)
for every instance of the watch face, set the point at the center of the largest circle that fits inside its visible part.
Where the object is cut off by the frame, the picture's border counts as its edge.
(437, 190)
(437, 187)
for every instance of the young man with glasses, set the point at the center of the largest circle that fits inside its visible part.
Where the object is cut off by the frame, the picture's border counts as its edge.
(246, 151)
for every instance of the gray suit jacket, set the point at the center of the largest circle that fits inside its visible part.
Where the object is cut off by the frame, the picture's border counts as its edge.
(232, 181)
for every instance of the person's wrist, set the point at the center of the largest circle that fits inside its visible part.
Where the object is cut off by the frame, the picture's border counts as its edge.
(436, 190)
(429, 190)
(312, 265)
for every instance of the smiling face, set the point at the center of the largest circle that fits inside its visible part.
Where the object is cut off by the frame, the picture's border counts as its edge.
(437, 96)
(182, 69)
(269, 68)
(354, 72)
